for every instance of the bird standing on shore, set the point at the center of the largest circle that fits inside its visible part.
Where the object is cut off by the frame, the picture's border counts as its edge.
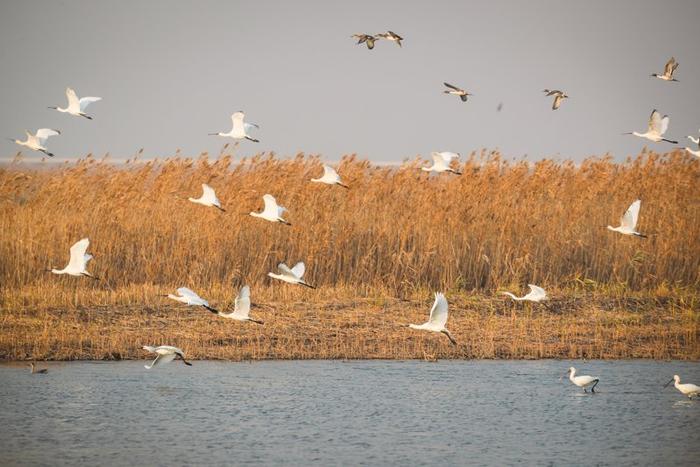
(438, 318)
(188, 297)
(457, 92)
(208, 198)
(582, 381)
(241, 307)
(272, 211)
(240, 129)
(76, 107)
(293, 275)
(390, 36)
(656, 128)
(686, 389)
(365, 38)
(558, 97)
(78, 260)
(669, 69)
(330, 177)
(628, 221)
(37, 142)
(165, 354)
(441, 162)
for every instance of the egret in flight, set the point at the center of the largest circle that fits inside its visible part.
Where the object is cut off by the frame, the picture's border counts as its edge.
(293, 275)
(241, 307)
(628, 221)
(77, 106)
(366, 39)
(582, 381)
(457, 92)
(438, 318)
(208, 198)
(188, 297)
(37, 142)
(558, 97)
(37, 371)
(441, 162)
(330, 177)
(669, 69)
(78, 260)
(272, 211)
(537, 294)
(390, 36)
(656, 128)
(686, 389)
(165, 354)
(240, 129)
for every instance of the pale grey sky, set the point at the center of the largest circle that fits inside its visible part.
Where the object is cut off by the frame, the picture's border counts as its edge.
(169, 72)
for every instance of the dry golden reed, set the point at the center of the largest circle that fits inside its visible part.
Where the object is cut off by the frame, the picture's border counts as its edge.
(397, 233)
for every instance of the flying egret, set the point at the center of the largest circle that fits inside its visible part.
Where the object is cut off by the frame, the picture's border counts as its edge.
(241, 307)
(188, 297)
(670, 67)
(240, 129)
(438, 318)
(537, 294)
(78, 260)
(365, 38)
(165, 354)
(558, 97)
(390, 36)
(686, 389)
(582, 381)
(628, 221)
(272, 211)
(77, 106)
(208, 198)
(293, 276)
(330, 177)
(441, 162)
(37, 142)
(35, 371)
(656, 129)
(697, 142)
(457, 92)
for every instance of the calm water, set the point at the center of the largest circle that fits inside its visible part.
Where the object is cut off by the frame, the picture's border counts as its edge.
(359, 412)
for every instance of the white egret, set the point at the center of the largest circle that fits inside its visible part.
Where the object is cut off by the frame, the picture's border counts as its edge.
(78, 260)
(165, 354)
(240, 129)
(208, 198)
(628, 221)
(686, 389)
(365, 38)
(558, 97)
(272, 211)
(330, 177)
(188, 297)
(457, 92)
(670, 67)
(441, 162)
(656, 128)
(37, 141)
(582, 381)
(37, 371)
(438, 318)
(293, 275)
(77, 106)
(537, 294)
(390, 36)
(241, 307)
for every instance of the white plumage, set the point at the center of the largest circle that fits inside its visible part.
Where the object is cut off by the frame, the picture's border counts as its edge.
(239, 128)
(272, 211)
(79, 258)
(583, 381)
(165, 354)
(536, 294)
(293, 275)
(686, 389)
(37, 142)
(628, 221)
(441, 162)
(241, 307)
(189, 297)
(438, 318)
(329, 177)
(655, 129)
(208, 198)
(77, 107)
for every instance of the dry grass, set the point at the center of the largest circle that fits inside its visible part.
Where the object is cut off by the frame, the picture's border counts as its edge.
(396, 235)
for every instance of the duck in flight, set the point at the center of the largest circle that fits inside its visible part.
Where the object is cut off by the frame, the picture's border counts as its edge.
(390, 36)
(669, 69)
(558, 97)
(365, 39)
(457, 92)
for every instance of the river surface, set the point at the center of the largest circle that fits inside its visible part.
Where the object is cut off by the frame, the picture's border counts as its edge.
(347, 413)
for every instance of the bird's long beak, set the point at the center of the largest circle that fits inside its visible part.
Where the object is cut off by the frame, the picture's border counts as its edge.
(212, 134)
(628, 133)
(11, 139)
(670, 381)
(54, 108)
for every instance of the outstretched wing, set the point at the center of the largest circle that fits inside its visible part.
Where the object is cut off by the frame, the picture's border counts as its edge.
(629, 218)
(237, 121)
(44, 133)
(537, 292)
(242, 303)
(452, 87)
(185, 292)
(664, 125)
(85, 101)
(448, 156)
(670, 67)
(330, 173)
(655, 123)
(284, 269)
(77, 254)
(438, 160)
(299, 269)
(438, 314)
(208, 193)
(73, 102)
(161, 360)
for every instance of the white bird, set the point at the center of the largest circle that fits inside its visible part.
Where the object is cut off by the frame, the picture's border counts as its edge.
(241, 307)
(697, 142)
(438, 318)
(558, 97)
(165, 354)
(582, 381)
(293, 276)
(686, 389)
(441, 162)
(188, 297)
(77, 106)
(240, 129)
(330, 177)
(208, 198)
(656, 128)
(78, 260)
(670, 67)
(37, 142)
(537, 294)
(628, 221)
(272, 211)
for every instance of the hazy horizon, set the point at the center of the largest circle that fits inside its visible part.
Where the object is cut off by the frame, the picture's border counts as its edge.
(171, 72)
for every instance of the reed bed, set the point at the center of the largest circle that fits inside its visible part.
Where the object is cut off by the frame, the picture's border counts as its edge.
(395, 236)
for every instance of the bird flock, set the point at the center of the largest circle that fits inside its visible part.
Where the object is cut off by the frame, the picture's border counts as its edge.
(273, 212)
